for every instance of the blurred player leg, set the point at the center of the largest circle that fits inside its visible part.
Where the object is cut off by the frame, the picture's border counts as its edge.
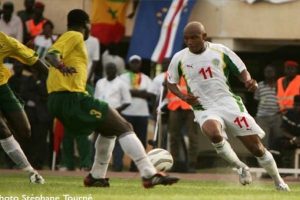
(224, 149)
(213, 129)
(104, 147)
(268, 163)
(103, 150)
(114, 124)
(14, 151)
(19, 122)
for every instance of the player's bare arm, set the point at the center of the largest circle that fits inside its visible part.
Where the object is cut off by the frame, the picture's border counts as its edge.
(53, 59)
(250, 83)
(189, 98)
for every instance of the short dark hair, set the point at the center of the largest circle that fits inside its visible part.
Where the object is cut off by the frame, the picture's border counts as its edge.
(8, 6)
(77, 17)
(39, 5)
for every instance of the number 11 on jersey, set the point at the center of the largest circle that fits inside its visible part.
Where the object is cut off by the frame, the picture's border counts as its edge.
(206, 72)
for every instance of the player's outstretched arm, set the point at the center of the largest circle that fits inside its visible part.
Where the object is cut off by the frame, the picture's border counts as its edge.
(54, 61)
(249, 83)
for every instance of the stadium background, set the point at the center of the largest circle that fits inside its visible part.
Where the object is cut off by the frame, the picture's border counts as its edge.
(260, 33)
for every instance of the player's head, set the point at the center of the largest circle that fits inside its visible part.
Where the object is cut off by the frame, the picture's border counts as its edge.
(79, 20)
(194, 37)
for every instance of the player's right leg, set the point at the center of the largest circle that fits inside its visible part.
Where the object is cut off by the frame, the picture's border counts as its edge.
(116, 125)
(212, 128)
(81, 114)
(103, 151)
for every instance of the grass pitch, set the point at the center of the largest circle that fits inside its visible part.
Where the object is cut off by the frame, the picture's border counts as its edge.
(57, 187)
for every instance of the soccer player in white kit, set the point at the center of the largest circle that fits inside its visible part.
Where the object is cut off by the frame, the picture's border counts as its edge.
(205, 67)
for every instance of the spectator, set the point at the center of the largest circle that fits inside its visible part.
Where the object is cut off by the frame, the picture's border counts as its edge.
(181, 117)
(291, 123)
(34, 93)
(10, 23)
(268, 116)
(83, 146)
(25, 15)
(35, 25)
(17, 79)
(15, 83)
(43, 41)
(112, 55)
(291, 129)
(288, 86)
(112, 90)
(93, 49)
(138, 112)
(159, 88)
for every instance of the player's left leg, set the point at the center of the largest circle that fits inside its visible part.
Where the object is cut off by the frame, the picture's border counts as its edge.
(115, 125)
(91, 114)
(265, 159)
(14, 151)
(16, 117)
(103, 150)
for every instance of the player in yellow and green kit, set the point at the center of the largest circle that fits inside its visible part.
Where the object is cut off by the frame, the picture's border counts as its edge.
(82, 114)
(10, 107)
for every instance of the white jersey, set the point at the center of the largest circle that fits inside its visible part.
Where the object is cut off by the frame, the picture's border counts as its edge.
(138, 106)
(207, 73)
(93, 49)
(42, 44)
(207, 77)
(114, 92)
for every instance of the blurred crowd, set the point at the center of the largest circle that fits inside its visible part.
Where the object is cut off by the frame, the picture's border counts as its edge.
(139, 98)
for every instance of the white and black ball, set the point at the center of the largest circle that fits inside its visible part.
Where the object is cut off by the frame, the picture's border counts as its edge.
(161, 159)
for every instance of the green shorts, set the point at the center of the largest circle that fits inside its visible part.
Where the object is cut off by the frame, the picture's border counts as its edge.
(8, 100)
(80, 113)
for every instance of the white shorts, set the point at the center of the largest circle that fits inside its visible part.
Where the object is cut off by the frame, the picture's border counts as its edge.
(232, 119)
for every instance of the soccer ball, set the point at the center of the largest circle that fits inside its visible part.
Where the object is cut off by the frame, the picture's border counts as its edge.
(161, 159)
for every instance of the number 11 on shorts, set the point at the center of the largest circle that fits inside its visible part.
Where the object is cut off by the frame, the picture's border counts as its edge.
(241, 122)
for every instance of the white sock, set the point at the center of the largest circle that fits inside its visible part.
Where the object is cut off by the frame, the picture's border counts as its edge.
(133, 147)
(224, 149)
(14, 151)
(268, 163)
(104, 147)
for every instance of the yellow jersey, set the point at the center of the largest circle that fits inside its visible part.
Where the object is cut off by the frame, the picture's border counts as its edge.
(10, 47)
(70, 47)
